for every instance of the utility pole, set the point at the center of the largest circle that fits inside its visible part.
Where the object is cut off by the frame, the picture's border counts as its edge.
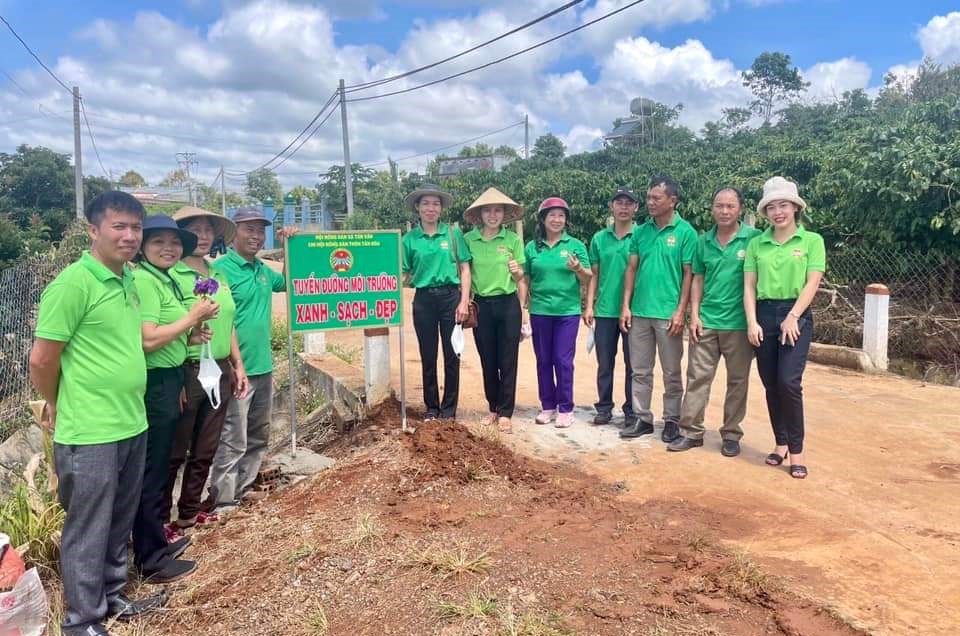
(187, 159)
(77, 164)
(526, 136)
(347, 168)
(223, 193)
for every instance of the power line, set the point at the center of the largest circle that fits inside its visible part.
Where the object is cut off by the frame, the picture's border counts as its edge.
(14, 82)
(35, 56)
(306, 139)
(319, 114)
(387, 80)
(83, 111)
(502, 59)
(436, 150)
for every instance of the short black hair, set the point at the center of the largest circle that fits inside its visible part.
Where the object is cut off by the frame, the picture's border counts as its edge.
(736, 191)
(668, 184)
(112, 200)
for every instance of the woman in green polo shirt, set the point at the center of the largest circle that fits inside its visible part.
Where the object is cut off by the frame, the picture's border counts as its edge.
(436, 261)
(496, 271)
(556, 265)
(781, 274)
(168, 328)
(198, 432)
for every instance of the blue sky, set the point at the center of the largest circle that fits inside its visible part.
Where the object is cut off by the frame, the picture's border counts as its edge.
(243, 76)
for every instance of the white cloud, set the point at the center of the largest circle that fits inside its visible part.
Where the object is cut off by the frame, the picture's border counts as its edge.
(652, 14)
(829, 80)
(940, 38)
(582, 139)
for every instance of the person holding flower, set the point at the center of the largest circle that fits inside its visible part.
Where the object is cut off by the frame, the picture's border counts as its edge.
(198, 431)
(168, 328)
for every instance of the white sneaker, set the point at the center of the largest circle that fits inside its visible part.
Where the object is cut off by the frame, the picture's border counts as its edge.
(564, 420)
(545, 417)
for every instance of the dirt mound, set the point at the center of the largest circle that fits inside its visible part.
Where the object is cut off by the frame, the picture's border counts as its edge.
(448, 532)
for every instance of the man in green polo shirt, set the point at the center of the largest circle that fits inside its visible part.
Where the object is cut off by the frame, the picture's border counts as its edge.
(246, 430)
(88, 364)
(609, 253)
(718, 326)
(656, 290)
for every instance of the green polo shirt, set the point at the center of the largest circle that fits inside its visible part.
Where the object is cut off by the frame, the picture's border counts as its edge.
(489, 272)
(252, 286)
(663, 253)
(782, 268)
(722, 271)
(222, 325)
(429, 258)
(161, 305)
(103, 375)
(610, 254)
(554, 289)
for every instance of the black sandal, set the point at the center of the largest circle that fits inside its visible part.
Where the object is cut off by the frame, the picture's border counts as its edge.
(775, 460)
(798, 471)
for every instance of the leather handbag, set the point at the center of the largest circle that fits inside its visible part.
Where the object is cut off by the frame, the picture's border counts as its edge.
(470, 321)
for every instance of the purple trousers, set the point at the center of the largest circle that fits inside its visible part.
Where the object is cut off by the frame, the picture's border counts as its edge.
(554, 343)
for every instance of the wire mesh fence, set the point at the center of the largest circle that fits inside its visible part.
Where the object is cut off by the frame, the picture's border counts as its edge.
(924, 307)
(21, 287)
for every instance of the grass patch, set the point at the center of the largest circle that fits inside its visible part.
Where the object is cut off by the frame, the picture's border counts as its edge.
(317, 623)
(303, 552)
(350, 355)
(367, 530)
(33, 519)
(450, 561)
(531, 624)
(476, 605)
(744, 578)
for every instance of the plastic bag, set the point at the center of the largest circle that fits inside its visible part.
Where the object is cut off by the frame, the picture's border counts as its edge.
(23, 611)
(456, 340)
(590, 343)
(209, 375)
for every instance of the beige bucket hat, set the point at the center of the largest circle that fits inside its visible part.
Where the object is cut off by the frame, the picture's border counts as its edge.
(511, 209)
(780, 189)
(411, 200)
(221, 226)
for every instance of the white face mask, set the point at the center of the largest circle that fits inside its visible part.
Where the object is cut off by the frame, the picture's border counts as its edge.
(456, 339)
(209, 375)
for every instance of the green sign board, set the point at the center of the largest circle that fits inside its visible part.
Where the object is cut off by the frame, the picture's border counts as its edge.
(344, 280)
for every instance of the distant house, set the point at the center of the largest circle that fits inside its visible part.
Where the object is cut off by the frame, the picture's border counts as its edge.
(151, 194)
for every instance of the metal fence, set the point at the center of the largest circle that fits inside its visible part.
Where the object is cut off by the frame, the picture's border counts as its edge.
(924, 307)
(20, 289)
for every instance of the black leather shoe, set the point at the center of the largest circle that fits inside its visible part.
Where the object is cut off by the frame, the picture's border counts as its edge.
(174, 570)
(602, 418)
(93, 629)
(730, 448)
(178, 547)
(671, 431)
(637, 429)
(684, 443)
(124, 609)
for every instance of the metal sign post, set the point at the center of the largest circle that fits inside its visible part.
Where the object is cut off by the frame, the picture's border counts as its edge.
(292, 368)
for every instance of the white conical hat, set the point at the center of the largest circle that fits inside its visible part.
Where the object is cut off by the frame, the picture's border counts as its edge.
(511, 209)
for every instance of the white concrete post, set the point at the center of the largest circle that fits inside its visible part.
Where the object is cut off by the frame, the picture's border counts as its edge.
(876, 318)
(376, 365)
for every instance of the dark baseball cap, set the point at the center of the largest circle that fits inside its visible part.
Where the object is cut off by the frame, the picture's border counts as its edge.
(625, 191)
(245, 215)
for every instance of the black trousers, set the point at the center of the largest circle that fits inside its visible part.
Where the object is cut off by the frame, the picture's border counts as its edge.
(497, 335)
(606, 332)
(781, 370)
(162, 401)
(434, 315)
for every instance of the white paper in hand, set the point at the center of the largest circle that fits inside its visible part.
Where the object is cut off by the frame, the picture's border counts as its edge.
(526, 331)
(590, 340)
(456, 339)
(209, 375)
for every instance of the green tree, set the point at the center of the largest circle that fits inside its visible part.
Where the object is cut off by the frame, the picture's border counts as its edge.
(771, 79)
(11, 242)
(132, 179)
(175, 179)
(548, 147)
(37, 182)
(262, 185)
(479, 150)
(506, 151)
(94, 186)
(301, 192)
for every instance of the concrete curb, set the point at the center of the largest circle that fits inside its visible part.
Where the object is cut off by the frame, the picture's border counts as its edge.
(844, 357)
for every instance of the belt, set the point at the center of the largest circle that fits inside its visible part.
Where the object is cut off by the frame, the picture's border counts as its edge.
(495, 297)
(439, 289)
(196, 363)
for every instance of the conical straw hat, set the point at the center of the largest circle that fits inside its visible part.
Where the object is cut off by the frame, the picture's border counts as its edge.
(511, 209)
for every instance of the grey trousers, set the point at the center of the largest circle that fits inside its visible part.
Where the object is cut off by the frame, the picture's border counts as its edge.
(243, 442)
(702, 361)
(100, 490)
(649, 337)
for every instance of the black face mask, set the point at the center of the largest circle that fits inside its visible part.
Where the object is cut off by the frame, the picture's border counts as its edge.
(218, 247)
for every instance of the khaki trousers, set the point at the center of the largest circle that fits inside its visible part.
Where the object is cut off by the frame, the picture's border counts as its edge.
(702, 361)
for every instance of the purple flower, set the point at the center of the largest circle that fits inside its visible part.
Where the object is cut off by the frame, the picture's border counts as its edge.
(206, 287)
